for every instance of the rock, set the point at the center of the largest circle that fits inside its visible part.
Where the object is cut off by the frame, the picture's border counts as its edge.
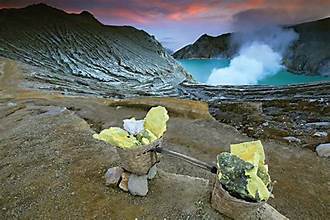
(323, 150)
(55, 111)
(291, 139)
(318, 124)
(268, 212)
(124, 181)
(133, 126)
(320, 134)
(265, 124)
(138, 185)
(11, 104)
(112, 176)
(152, 172)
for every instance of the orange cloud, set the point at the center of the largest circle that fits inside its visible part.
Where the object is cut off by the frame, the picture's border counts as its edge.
(246, 4)
(187, 12)
(153, 11)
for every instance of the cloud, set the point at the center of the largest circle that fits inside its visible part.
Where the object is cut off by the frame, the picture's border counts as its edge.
(281, 13)
(275, 16)
(129, 10)
(153, 11)
(186, 20)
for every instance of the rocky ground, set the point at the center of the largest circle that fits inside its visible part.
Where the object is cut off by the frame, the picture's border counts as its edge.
(299, 114)
(51, 167)
(305, 124)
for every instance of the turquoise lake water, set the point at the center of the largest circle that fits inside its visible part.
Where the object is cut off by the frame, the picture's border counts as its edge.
(201, 69)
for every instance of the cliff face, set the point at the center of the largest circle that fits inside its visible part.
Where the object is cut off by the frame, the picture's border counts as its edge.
(310, 54)
(75, 51)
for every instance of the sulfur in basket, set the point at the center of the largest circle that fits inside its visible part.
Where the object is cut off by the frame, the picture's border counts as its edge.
(231, 206)
(139, 160)
(242, 184)
(136, 143)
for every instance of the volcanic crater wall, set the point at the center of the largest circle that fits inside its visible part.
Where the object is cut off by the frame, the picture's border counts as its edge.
(76, 52)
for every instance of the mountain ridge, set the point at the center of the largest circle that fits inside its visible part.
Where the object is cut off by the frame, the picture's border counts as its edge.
(68, 47)
(39, 12)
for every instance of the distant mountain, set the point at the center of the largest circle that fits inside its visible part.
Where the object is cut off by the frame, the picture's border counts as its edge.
(207, 47)
(310, 54)
(77, 52)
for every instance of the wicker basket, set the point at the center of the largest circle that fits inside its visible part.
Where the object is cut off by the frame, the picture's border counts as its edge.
(230, 206)
(139, 160)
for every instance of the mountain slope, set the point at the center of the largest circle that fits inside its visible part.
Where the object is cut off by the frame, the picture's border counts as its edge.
(310, 54)
(75, 51)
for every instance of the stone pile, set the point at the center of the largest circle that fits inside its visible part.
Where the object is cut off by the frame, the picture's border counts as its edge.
(130, 182)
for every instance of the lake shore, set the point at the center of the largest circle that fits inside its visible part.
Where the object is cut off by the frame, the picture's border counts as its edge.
(201, 69)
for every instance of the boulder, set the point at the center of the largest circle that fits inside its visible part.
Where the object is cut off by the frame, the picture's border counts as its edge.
(291, 139)
(322, 124)
(323, 150)
(113, 175)
(138, 185)
(152, 172)
(124, 181)
(320, 134)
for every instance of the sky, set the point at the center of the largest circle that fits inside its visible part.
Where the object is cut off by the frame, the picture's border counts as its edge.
(176, 23)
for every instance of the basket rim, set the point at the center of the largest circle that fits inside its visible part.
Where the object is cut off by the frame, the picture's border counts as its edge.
(235, 199)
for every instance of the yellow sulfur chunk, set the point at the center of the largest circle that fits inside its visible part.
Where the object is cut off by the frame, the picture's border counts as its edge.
(149, 135)
(256, 186)
(219, 175)
(263, 174)
(155, 121)
(252, 152)
(146, 137)
(117, 137)
(145, 141)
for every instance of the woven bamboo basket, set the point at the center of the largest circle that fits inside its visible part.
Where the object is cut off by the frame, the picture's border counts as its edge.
(230, 206)
(139, 160)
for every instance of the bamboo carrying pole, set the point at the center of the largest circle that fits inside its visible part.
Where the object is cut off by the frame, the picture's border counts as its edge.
(191, 160)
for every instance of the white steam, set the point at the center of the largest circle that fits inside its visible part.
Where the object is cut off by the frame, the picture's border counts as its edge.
(253, 63)
(260, 56)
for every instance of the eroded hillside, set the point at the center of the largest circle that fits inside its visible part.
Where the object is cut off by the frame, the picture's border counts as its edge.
(75, 51)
